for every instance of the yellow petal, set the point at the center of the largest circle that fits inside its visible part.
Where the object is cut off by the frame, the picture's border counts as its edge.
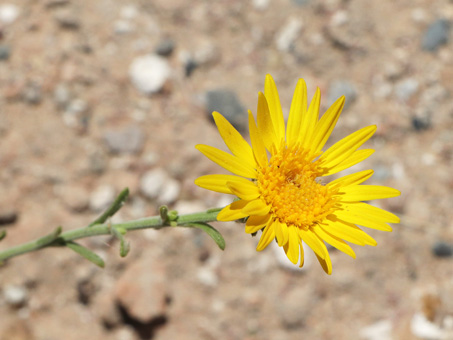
(273, 100)
(309, 120)
(355, 158)
(232, 212)
(346, 231)
(362, 220)
(335, 241)
(366, 215)
(302, 257)
(244, 189)
(354, 193)
(255, 223)
(310, 238)
(297, 110)
(281, 232)
(227, 161)
(341, 150)
(233, 139)
(216, 183)
(292, 246)
(259, 150)
(266, 237)
(265, 124)
(256, 207)
(325, 263)
(326, 124)
(371, 211)
(352, 179)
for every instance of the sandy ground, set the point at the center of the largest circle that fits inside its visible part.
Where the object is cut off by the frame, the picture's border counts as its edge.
(75, 129)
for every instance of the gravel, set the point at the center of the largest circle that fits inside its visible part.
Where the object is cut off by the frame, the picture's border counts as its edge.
(149, 73)
(436, 35)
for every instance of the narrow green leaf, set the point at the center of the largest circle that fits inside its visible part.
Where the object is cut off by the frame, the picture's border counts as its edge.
(124, 246)
(114, 207)
(2, 234)
(163, 212)
(86, 253)
(210, 230)
(48, 239)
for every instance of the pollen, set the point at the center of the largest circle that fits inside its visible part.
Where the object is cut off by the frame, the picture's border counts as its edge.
(290, 186)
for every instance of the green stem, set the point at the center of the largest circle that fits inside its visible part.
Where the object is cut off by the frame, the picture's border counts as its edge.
(55, 239)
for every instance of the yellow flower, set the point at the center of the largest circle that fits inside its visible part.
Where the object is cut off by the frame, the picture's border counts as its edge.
(279, 178)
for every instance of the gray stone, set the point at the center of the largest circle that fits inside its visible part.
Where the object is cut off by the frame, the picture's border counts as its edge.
(190, 65)
(381, 173)
(227, 103)
(436, 35)
(5, 52)
(301, 2)
(56, 3)
(421, 121)
(149, 73)
(442, 249)
(8, 215)
(340, 88)
(67, 18)
(405, 89)
(32, 93)
(127, 140)
(165, 47)
(15, 296)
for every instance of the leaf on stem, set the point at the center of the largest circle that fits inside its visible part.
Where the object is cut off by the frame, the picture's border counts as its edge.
(2, 234)
(124, 246)
(86, 253)
(116, 205)
(163, 212)
(210, 230)
(48, 239)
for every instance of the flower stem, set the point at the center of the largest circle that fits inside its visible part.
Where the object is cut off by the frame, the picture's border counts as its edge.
(57, 238)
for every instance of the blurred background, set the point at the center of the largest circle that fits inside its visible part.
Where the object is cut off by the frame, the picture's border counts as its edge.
(100, 95)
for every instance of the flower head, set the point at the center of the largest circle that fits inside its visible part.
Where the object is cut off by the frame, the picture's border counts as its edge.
(279, 178)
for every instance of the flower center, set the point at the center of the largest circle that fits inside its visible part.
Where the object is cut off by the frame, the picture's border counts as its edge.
(288, 184)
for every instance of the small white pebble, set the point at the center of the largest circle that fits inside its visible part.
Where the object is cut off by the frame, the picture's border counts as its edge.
(15, 295)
